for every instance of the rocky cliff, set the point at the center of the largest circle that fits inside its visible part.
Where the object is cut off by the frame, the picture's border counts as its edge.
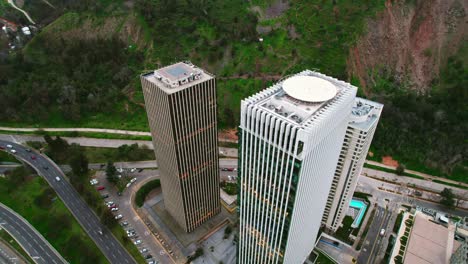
(410, 40)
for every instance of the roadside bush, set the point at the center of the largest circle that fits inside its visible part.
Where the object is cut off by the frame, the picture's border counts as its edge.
(145, 190)
(44, 200)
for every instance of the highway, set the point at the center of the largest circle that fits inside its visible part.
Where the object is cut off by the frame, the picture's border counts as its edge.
(109, 245)
(27, 236)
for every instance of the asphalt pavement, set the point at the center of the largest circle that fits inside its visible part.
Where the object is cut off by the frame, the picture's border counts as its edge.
(109, 245)
(30, 240)
(373, 238)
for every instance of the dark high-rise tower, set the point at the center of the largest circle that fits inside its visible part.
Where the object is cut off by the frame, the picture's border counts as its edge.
(180, 101)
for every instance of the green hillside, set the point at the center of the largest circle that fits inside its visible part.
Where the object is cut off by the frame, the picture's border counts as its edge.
(82, 69)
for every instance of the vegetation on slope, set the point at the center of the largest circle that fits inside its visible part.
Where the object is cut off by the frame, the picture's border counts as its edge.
(31, 197)
(95, 71)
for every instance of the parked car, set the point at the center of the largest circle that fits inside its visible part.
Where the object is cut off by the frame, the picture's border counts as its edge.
(113, 209)
(143, 250)
(137, 242)
(109, 203)
(104, 196)
(100, 188)
(148, 256)
(133, 180)
(9, 146)
(133, 170)
(93, 181)
(117, 217)
(124, 223)
(112, 206)
(224, 169)
(128, 185)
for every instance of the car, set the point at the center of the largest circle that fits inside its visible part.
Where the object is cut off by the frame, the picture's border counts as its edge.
(128, 185)
(28, 150)
(104, 196)
(113, 209)
(133, 170)
(45, 167)
(100, 232)
(143, 250)
(120, 170)
(230, 169)
(1, 147)
(130, 231)
(382, 232)
(57, 178)
(140, 170)
(109, 203)
(124, 223)
(151, 262)
(137, 242)
(9, 146)
(119, 176)
(224, 169)
(33, 157)
(148, 256)
(13, 151)
(100, 188)
(130, 234)
(117, 217)
(93, 181)
(133, 180)
(112, 206)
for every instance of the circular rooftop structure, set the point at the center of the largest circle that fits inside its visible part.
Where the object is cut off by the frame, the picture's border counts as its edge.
(309, 89)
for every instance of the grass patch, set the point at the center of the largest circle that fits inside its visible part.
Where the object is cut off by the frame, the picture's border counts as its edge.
(7, 157)
(323, 259)
(7, 239)
(371, 166)
(345, 230)
(451, 184)
(78, 134)
(229, 187)
(398, 220)
(122, 153)
(34, 200)
(145, 190)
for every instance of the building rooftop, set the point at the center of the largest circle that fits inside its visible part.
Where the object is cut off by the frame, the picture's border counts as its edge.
(178, 76)
(429, 242)
(365, 113)
(298, 97)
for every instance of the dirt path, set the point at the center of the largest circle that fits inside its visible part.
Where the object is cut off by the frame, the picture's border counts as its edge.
(12, 3)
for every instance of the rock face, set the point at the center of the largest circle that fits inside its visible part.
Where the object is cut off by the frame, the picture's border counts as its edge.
(411, 40)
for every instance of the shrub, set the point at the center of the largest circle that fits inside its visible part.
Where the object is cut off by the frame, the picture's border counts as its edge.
(145, 190)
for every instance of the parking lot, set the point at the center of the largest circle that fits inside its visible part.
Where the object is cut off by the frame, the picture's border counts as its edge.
(136, 230)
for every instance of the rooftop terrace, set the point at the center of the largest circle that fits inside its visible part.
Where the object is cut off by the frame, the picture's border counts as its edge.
(177, 76)
(298, 97)
(365, 113)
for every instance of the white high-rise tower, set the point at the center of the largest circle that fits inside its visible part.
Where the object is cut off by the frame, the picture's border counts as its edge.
(362, 124)
(291, 135)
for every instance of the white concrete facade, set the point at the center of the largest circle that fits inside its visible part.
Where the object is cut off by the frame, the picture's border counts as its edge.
(288, 154)
(363, 121)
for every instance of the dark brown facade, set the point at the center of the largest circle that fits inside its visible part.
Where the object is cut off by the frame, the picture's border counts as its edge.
(184, 130)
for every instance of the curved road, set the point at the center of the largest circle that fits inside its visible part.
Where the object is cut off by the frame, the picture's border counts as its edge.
(12, 3)
(27, 236)
(109, 245)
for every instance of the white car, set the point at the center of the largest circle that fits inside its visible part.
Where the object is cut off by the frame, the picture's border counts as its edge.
(120, 170)
(9, 146)
(133, 180)
(128, 184)
(114, 209)
(137, 242)
(131, 234)
(143, 250)
(57, 178)
(13, 151)
(133, 170)
(109, 203)
(93, 182)
(117, 217)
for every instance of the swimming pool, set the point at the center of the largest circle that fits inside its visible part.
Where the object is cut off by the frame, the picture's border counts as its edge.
(361, 206)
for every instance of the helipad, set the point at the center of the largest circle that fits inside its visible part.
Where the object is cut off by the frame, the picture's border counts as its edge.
(309, 89)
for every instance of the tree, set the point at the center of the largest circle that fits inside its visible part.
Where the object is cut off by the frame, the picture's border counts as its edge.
(400, 169)
(448, 198)
(79, 163)
(111, 172)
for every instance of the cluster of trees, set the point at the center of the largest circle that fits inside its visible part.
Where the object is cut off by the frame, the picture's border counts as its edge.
(54, 78)
(426, 131)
